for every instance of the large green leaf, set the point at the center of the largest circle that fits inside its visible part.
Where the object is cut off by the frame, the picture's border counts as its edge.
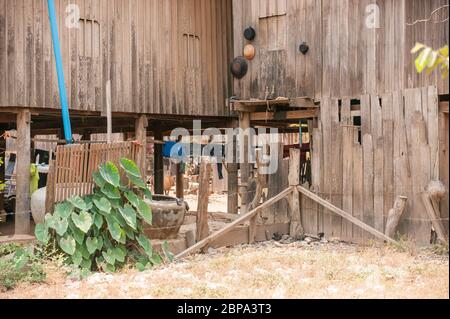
(42, 233)
(119, 254)
(145, 243)
(111, 191)
(78, 203)
(132, 198)
(129, 214)
(103, 205)
(77, 258)
(98, 179)
(147, 193)
(76, 233)
(115, 230)
(64, 210)
(68, 245)
(98, 221)
(130, 167)
(110, 173)
(61, 226)
(109, 257)
(49, 221)
(145, 211)
(86, 264)
(83, 221)
(136, 181)
(92, 245)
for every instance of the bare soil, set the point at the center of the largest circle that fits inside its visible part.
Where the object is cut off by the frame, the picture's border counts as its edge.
(266, 270)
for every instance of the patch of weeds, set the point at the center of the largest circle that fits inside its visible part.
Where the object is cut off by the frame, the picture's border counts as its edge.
(440, 249)
(19, 264)
(404, 245)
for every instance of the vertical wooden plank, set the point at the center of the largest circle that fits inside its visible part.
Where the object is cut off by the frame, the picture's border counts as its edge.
(377, 135)
(368, 164)
(3, 53)
(326, 122)
(444, 163)
(358, 190)
(433, 130)
(388, 153)
(347, 161)
(23, 143)
(336, 170)
(316, 173)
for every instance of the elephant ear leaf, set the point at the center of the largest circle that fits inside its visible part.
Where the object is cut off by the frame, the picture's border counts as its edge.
(130, 168)
(42, 233)
(92, 245)
(132, 198)
(98, 179)
(129, 215)
(110, 173)
(103, 205)
(146, 212)
(83, 221)
(68, 245)
(78, 203)
(145, 243)
(61, 226)
(64, 210)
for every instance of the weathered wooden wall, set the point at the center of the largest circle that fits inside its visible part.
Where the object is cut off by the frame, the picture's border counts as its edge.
(395, 152)
(162, 57)
(346, 58)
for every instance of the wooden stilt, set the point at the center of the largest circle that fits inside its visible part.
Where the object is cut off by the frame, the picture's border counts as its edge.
(141, 136)
(203, 198)
(158, 162)
(244, 124)
(233, 180)
(23, 145)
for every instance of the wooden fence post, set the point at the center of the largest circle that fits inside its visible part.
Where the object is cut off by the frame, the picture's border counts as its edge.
(203, 198)
(23, 146)
(141, 137)
(296, 228)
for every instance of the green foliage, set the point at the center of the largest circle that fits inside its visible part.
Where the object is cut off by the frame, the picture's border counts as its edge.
(429, 59)
(103, 231)
(19, 264)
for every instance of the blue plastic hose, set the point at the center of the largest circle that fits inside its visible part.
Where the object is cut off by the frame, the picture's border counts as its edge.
(60, 72)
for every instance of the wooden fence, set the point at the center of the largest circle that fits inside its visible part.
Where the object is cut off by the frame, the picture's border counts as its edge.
(362, 167)
(71, 171)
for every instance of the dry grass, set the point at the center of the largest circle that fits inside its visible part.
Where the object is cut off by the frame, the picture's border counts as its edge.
(268, 270)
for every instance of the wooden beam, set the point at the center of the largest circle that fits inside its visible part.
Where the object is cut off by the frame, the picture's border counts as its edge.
(234, 224)
(346, 215)
(303, 102)
(22, 216)
(443, 107)
(289, 115)
(395, 214)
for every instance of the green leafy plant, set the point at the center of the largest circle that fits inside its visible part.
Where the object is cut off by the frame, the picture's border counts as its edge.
(104, 231)
(429, 59)
(20, 264)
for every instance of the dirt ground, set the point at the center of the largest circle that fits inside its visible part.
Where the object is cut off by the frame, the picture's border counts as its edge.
(267, 270)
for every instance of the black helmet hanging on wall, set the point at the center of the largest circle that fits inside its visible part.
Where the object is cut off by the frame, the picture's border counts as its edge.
(249, 34)
(239, 67)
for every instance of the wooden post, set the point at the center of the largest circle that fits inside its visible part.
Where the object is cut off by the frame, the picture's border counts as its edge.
(395, 214)
(2, 177)
(23, 145)
(109, 112)
(141, 136)
(203, 198)
(244, 124)
(233, 179)
(158, 162)
(179, 182)
(296, 228)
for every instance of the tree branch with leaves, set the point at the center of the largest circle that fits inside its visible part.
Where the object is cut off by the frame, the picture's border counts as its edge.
(429, 59)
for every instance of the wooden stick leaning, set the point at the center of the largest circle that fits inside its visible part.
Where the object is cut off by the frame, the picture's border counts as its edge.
(234, 224)
(345, 215)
